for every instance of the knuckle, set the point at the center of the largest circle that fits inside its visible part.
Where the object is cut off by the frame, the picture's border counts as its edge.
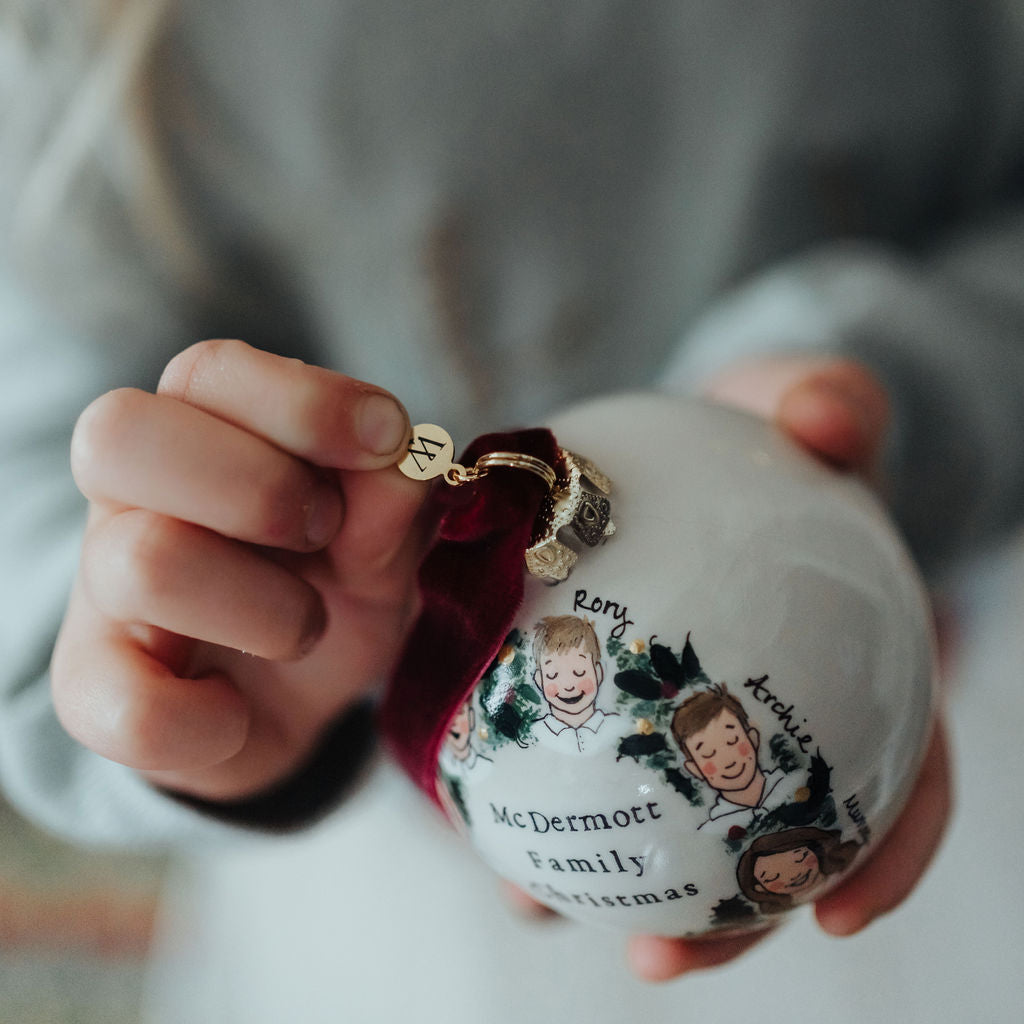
(313, 402)
(153, 546)
(100, 431)
(123, 726)
(97, 714)
(72, 711)
(137, 730)
(185, 375)
(62, 681)
(278, 504)
(130, 564)
(307, 626)
(322, 404)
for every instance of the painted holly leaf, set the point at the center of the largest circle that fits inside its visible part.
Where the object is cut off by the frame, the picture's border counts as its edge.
(782, 753)
(639, 745)
(638, 684)
(690, 663)
(819, 780)
(508, 697)
(667, 666)
(733, 910)
(683, 783)
(649, 680)
(813, 800)
(676, 672)
(508, 721)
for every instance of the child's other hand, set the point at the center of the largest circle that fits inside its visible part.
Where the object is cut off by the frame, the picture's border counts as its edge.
(250, 505)
(835, 408)
(838, 410)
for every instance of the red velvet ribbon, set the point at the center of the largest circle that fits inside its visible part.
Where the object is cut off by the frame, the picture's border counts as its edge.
(471, 583)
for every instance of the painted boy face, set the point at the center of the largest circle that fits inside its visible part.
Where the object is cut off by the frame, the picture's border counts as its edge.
(460, 729)
(791, 873)
(723, 753)
(570, 680)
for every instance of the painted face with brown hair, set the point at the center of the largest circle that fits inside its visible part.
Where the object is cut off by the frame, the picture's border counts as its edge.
(789, 873)
(723, 753)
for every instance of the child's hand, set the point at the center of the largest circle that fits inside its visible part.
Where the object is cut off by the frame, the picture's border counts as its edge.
(839, 411)
(835, 408)
(249, 506)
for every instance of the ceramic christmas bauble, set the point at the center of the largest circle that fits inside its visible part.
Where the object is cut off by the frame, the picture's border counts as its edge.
(722, 710)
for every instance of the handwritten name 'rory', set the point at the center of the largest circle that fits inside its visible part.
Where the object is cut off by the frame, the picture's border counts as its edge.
(583, 602)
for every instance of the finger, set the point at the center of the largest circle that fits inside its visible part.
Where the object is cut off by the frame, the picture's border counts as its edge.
(885, 880)
(381, 524)
(131, 448)
(840, 412)
(324, 417)
(834, 407)
(143, 567)
(119, 701)
(658, 959)
(368, 575)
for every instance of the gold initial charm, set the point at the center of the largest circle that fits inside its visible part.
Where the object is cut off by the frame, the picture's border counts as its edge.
(577, 499)
(430, 454)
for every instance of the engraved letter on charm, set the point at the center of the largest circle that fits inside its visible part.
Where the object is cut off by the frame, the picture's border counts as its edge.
(424, 452)
(429, 454)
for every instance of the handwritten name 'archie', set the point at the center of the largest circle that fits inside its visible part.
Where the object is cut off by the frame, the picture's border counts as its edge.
(541, 823)
(783, 712)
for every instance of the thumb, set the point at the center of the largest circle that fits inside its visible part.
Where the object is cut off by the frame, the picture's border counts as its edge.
(835, 408)
(839, 411)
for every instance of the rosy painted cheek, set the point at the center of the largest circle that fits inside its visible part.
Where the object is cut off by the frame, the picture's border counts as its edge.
(745, 750)
(709, 768)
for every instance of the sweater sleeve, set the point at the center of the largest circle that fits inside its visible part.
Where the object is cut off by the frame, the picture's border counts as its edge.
(939, 314)
(49, 376)
(945, 333)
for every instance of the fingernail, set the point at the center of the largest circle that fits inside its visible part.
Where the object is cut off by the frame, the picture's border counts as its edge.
(839, 926)
(323, 516)
(381, 425)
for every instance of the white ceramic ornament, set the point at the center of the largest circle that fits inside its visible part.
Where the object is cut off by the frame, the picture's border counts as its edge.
(722, 710)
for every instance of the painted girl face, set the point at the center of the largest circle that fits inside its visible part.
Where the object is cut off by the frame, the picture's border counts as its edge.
(724, 753)
(459, 730)
(570, 680)
(790, 873)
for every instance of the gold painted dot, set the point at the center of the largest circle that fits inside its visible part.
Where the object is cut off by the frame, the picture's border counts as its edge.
(638, 647)
(802, 795)
(483, 733)
(507, 654)
(644, 726)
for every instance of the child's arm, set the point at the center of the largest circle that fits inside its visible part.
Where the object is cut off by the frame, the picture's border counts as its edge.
(839, 411)
(248, 506)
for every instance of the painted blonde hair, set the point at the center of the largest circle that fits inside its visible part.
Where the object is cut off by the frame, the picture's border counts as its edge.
(560, 633)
